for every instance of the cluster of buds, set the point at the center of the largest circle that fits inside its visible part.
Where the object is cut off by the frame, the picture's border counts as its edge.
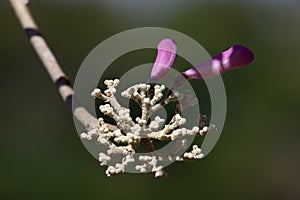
(123, 141)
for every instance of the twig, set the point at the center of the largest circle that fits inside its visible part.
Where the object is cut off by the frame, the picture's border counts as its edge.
(50, 63)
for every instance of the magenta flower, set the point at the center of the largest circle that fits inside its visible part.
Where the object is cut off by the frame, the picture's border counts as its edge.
(235, 57)
(166, 54)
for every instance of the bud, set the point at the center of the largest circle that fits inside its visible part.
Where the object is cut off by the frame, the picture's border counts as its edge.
(166, 54)
(235, 57)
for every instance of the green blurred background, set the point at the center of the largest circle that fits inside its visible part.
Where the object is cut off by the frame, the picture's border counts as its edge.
(257, 156)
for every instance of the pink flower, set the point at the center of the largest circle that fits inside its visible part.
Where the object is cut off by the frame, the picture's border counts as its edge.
(235, 57)
(166, 54)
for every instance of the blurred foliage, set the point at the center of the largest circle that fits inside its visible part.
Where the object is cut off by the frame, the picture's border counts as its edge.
(256, 157)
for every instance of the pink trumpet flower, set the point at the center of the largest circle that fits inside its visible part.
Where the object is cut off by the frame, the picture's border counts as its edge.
(235, 57)
(166, 54)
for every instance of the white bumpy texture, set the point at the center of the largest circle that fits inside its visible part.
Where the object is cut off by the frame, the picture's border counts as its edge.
(131, 132)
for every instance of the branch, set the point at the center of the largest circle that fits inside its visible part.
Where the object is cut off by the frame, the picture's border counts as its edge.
(51, 65)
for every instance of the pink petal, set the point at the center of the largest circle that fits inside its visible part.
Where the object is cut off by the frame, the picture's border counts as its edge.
(166, 54)
(235, 57)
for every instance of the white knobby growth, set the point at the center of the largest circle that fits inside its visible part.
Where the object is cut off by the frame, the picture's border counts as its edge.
(122, 142)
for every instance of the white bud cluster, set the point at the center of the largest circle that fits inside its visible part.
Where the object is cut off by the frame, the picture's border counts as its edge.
(98, 94)
(111, 87)
(194, 154)
(158, 94)
(106, 109)
(128, 134)
(119, 167)
(157, 123)
(152, 163)
(104, 159)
